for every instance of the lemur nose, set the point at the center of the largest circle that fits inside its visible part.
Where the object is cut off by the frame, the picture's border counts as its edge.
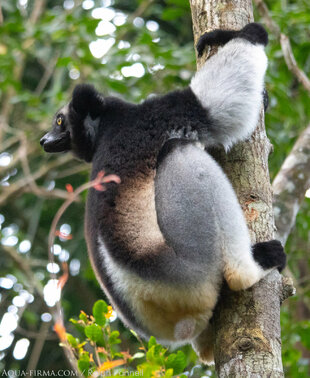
(42, 140)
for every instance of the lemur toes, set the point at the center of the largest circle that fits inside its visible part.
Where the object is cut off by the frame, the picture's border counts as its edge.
(253, 32)
(270, 255)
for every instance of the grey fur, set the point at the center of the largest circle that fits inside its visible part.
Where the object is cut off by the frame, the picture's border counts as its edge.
(205, 231)
(230, 85)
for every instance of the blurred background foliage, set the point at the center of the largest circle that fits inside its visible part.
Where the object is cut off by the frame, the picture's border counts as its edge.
(132, 49)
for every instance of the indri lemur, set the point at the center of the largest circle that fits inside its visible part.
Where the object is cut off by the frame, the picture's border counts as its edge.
(162, 241)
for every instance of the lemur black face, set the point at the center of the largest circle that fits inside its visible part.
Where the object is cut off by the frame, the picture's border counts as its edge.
(58, 140)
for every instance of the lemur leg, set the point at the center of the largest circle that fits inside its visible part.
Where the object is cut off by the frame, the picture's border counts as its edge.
(230, 86)
(203, 345)
(243, 270)
(243, 265)
(240, 269)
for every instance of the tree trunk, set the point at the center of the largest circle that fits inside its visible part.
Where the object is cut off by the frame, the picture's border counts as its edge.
(247, 323)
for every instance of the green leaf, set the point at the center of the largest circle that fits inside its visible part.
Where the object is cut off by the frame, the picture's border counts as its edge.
(169, 373)
(64, 61)
(172, 14)
(177, 362)
(77, 324)
(84, 363)
(151, 342)
(114, 338)
(100, 308)
(156, 354)
(72, 340)
(83, 317)
(304, 333)
(93, 332)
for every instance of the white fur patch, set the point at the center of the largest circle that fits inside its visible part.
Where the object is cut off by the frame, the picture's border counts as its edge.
(230, 85)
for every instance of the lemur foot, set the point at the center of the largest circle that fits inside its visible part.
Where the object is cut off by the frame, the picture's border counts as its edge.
(253, 32)
(270, 255)
(242, 276)
(85, 100)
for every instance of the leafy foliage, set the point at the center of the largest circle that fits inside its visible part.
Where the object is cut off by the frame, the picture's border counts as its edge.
(97, 350)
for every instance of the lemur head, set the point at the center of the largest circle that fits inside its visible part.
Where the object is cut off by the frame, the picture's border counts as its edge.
(75, 125)
(58, 139)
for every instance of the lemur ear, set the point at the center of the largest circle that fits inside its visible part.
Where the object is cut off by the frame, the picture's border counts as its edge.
(86, 100)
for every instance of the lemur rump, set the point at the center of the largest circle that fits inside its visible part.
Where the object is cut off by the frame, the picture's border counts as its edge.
(162, 241)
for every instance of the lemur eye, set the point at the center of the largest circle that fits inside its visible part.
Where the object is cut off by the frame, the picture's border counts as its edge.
(59, 121)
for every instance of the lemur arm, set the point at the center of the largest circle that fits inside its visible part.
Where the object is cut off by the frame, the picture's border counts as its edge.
(231, 83)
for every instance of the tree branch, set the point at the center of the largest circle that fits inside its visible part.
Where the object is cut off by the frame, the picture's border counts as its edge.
(38, 346)
(26, 268)
(285, 44)
(1, 15)
(20, 58)
(37, 10)
(49, 70)
(20, 186)
(34, 335)
(290, 185)
(291, 62)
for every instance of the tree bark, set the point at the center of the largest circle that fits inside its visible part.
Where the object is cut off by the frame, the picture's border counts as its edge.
(247, 323)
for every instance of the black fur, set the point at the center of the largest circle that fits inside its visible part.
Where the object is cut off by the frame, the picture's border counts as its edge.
(86, 100)
(215, 38)
(265, 99)
(83, 143)
(130, 139)
(252, 32)
(130, 136)
(270, 254)
(106, 281)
